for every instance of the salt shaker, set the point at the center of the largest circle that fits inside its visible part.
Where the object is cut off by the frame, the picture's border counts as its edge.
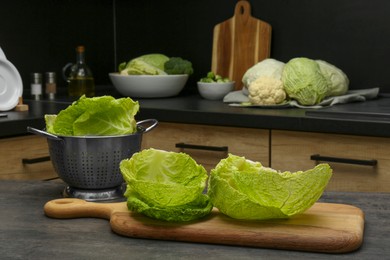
(36, 85)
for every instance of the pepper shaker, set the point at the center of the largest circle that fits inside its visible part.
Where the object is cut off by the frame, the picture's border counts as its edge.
(51, 85)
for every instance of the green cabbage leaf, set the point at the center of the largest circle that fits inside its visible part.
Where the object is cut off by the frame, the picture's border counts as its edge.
(165, 185)
(303, 81)
(148, 64)
(97, 116)
(338, 82)
(244, 189)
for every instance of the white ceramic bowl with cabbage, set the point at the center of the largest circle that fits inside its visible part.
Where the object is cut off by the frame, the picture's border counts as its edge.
(243, 189)
(152, 76)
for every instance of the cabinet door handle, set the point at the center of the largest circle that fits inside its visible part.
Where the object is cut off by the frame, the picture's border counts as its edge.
(36, 160)
(317, 157)
(203, 147)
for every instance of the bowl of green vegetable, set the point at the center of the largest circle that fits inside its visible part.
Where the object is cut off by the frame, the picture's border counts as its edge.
(152, 76)
(214, 87)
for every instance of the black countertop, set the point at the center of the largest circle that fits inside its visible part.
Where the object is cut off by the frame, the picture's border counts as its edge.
(369, 118)
(26, 233)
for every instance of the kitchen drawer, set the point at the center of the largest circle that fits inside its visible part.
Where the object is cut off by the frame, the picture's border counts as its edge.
(292, 151)
(14, 150)
(213, 142)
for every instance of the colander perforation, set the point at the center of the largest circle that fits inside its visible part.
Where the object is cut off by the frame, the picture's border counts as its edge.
(92, 163)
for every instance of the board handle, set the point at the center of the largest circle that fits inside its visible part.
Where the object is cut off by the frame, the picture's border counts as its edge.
(242, 8)
(78, 208)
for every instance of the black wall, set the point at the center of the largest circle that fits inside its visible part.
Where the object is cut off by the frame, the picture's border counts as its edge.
(41, 35)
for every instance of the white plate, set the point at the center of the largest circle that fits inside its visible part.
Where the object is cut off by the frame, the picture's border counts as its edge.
(2, 55)
(11, 86)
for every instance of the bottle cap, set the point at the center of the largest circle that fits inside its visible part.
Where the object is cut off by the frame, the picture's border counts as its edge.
(50, 77)
(36, 77)
(80, 48)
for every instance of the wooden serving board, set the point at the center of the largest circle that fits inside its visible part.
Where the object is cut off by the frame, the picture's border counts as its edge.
(325, 227)
(239, 43)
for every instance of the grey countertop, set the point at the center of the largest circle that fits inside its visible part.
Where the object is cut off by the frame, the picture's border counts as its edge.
(369, 118)
(26, 233)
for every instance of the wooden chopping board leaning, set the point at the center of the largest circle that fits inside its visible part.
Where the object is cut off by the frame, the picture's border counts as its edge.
(239, 43)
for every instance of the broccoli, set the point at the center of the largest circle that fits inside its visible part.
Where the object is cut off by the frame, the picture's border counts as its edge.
(214, 78)
(211, 75)
(177, 65)
(207, 80)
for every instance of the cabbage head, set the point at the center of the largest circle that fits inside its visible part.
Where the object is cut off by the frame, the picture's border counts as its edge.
(148, 64)
(303, 81)
(165, 185)
(338, 81)
(96, 116)
(243, 189)
(270, 68)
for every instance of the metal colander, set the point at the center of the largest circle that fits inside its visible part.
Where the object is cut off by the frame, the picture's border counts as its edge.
(92, 162)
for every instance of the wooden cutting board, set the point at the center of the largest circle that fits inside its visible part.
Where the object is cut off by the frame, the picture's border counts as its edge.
(325, 227)
(239, 43)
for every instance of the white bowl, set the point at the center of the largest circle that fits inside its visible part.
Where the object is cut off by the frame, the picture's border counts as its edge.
(148, 86)
(215, 91)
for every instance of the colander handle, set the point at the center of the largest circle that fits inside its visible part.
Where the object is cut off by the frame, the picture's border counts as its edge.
(43, 133)
(151, 122)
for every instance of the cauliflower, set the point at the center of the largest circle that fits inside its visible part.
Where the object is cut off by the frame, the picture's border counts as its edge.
(266, 91)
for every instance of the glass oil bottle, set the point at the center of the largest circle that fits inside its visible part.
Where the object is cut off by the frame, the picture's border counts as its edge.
(80, 79)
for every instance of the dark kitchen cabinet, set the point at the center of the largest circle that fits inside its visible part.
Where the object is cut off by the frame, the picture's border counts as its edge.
(209, 144)
(359, 163)
(25, 158)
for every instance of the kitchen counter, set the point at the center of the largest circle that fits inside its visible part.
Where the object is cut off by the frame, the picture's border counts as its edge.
(370, 118)
(26, 233)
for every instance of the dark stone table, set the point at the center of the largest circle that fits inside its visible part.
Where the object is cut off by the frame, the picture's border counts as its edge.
(26, 233)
